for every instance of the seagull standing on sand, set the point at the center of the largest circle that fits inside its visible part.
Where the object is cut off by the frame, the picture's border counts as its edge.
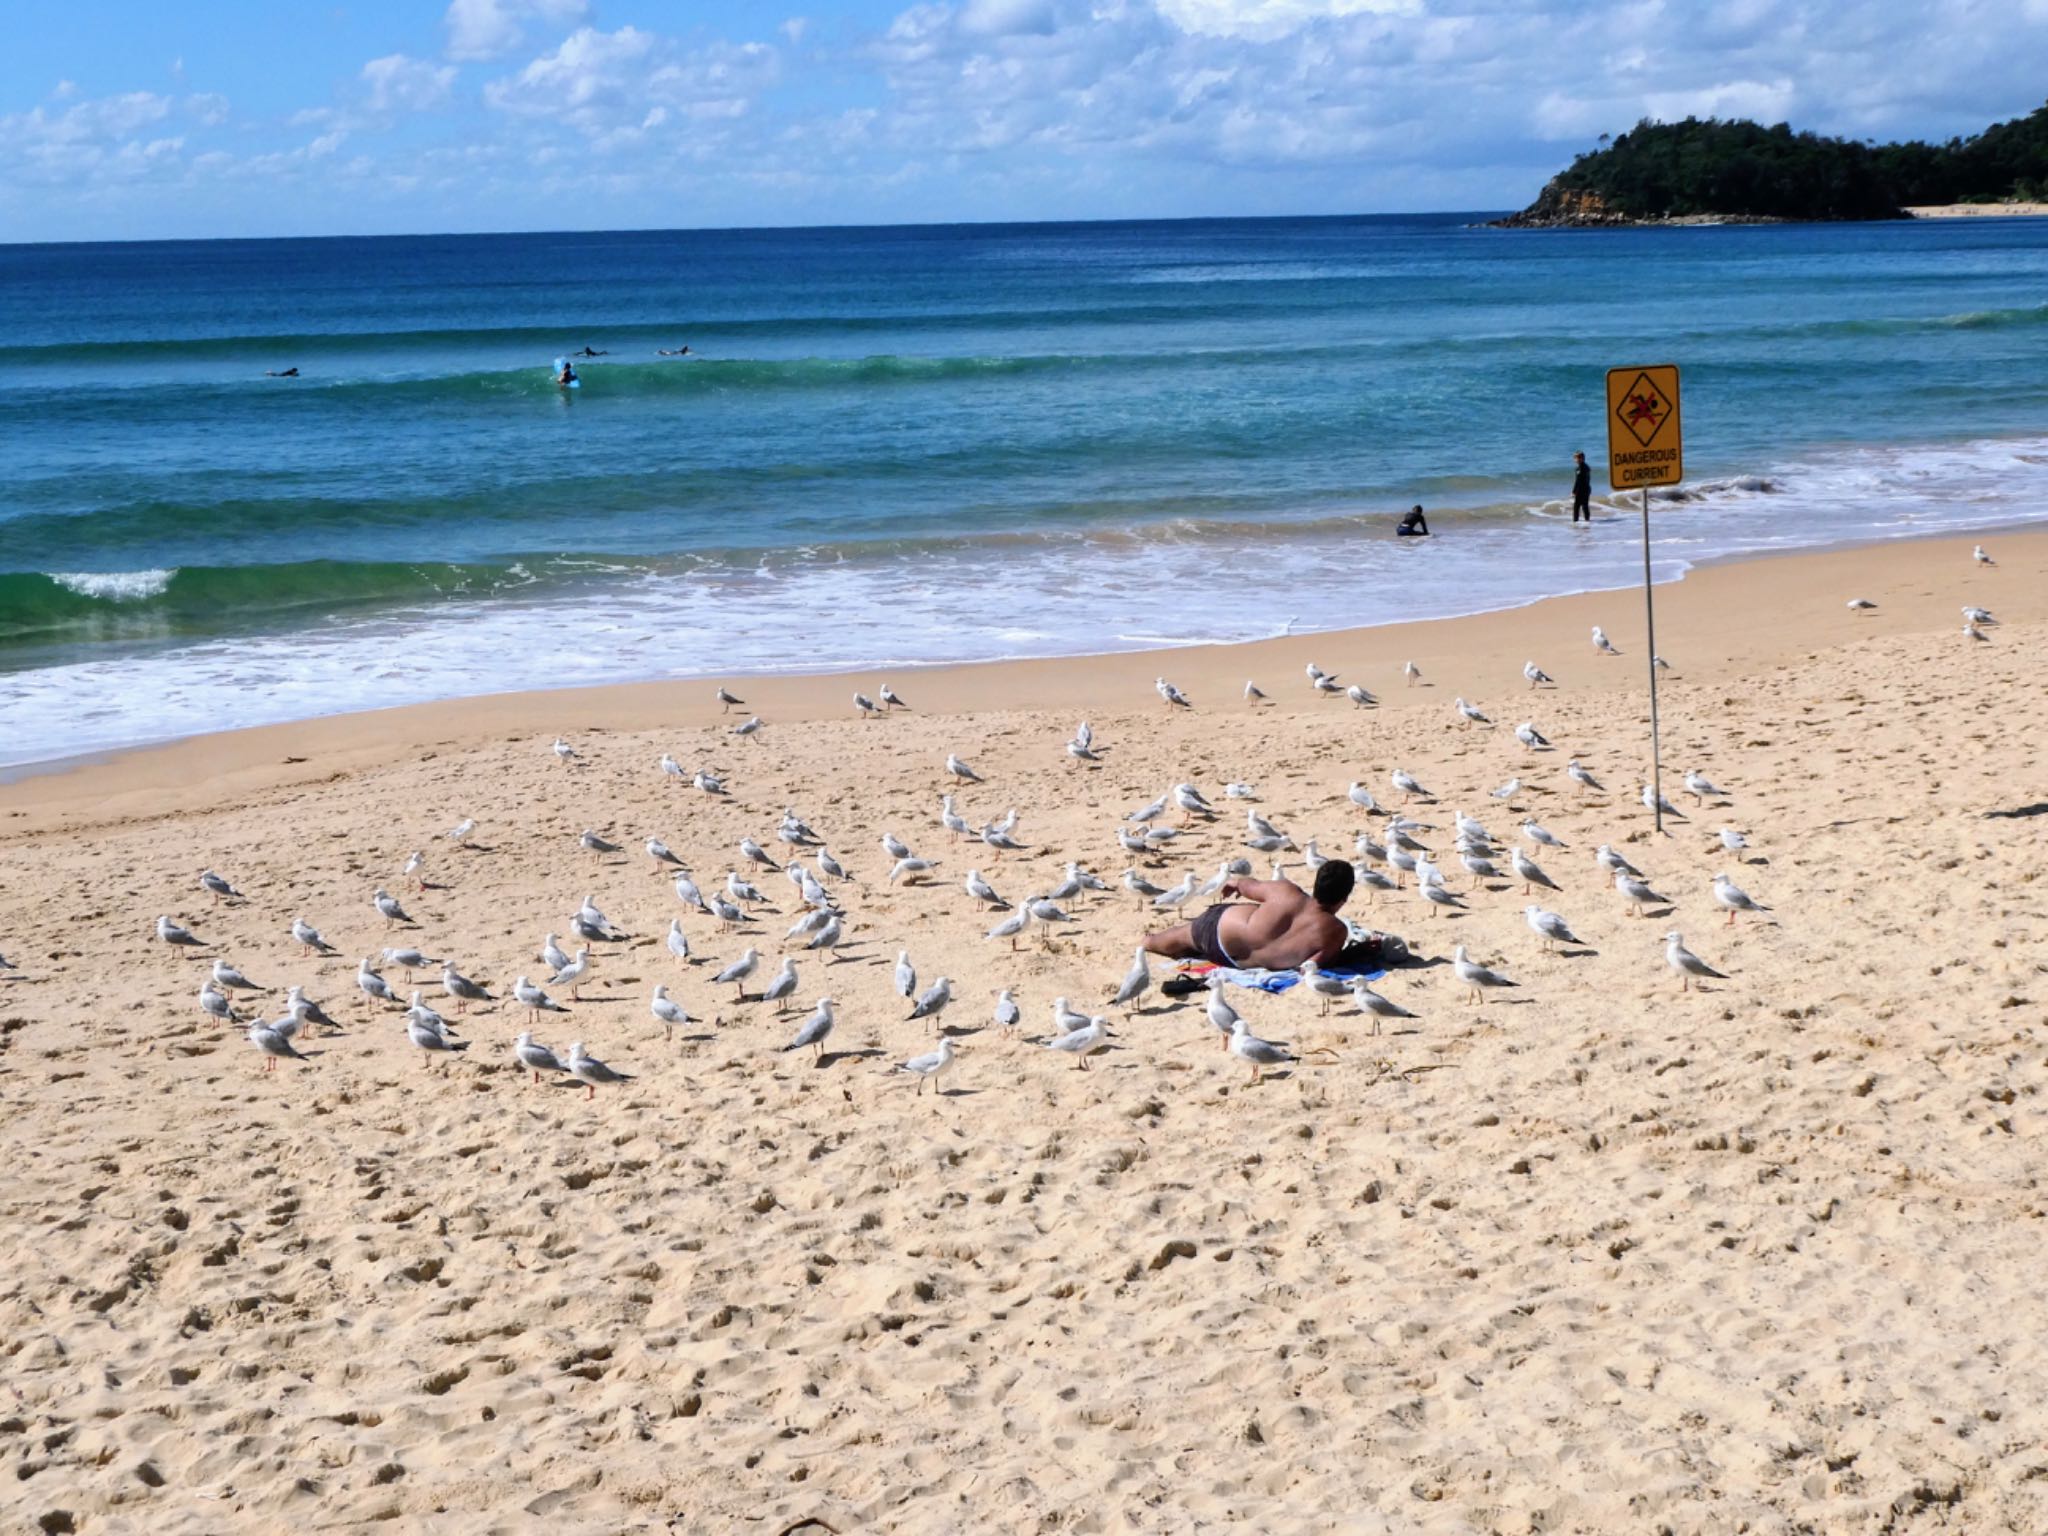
(216, 887)
(658, 852)
(670, 1012)
(1256, 1053)
(1733, 898)
(927, 1067)
(534, 1057)
(1476, 976)
(1360, 697)
(1637, 893)
(1700, 787)
(1531, 873)
(781, 986)
(1253, 693)
(563, 752)
(961, 770)
(1652, 801)
(1549, 927)
(1602, 644)
(1536, 675)
(462, 989)
(459, 833)
(1527, 734)
(431, 1037)
(891, 699)
(1172, 695)
(176, 934)
(214, 1002)
(727, 700)
(738, 972)
(1406, 782)
(308, 938)
(229, 979)
(934, 1001)
(1137, 980)
(534, 1000)
(1007, 1015)
(273, 1043)
(1688, 965)
(749, 727)
(1582, 778)
(572, 974)
(1378, 1007)
(373, 986)
(1082, 1042)
(814, 1029)
(1977, 554)
(592, 1073)
(1222, 1016)
(388, 908)
(1471, 712)
(1411, 672)
(866, 706)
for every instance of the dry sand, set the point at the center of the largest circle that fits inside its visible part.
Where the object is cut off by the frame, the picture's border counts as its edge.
(1601, 1256)
(1979, 211)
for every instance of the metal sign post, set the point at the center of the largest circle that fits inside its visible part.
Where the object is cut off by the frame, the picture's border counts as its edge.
(1646, 447)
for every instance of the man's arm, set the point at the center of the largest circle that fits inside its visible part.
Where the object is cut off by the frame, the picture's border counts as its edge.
(1265, 892)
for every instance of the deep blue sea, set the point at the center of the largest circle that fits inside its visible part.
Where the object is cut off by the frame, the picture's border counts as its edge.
(919, 444)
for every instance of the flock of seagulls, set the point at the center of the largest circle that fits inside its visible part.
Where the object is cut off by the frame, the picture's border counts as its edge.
(1445, 866)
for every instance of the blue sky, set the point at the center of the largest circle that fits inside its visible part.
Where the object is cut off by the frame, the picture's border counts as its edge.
(230, 117)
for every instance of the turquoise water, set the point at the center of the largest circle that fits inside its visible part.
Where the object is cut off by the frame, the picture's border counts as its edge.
(903, 445)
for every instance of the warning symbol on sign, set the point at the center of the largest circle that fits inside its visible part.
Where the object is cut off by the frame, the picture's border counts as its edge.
(1644, 445)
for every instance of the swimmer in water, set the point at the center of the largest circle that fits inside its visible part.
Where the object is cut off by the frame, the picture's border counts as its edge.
(280, 373)
(566, 377)
(671, 351)
(1413, 526)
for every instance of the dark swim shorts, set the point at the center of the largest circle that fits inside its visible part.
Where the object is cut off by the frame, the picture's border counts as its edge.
(1209, 940)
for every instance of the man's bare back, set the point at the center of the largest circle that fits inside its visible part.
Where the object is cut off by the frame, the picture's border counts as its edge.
(1275, 926)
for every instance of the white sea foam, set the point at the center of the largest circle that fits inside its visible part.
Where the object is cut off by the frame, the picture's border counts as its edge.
(115, 586)
(1093, 595)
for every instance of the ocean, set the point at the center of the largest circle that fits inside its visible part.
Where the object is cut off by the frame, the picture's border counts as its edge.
(904, 445)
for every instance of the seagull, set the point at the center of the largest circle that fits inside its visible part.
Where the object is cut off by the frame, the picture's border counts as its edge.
(1507, 791)
(1000, 840)
(1652, 801)
(387, 906)
(1602, 644)
(1732, 840)
(828, 936)
(1081, 1042)
(1360, 697)
(274, 1043)
(1066, 1020)
(749, 727)
(934, 1001)
(1178, 896)
(1325, 986)
(216, 887)
(738, 972)
(1172, 695)
(595, 844)
(1477, 976)
(572, 974)
(1328, 683)
(672, 769)
(740, 891)
(708, 782)
(1977, 554)
(1582, 778)
(1972, 632)
(827, 865)
(670, 1012)
(1221, 1015)
(1688, 965)
(1007, 1015)
(1256, 1053)
(459, 833)
(891, 699)
(414, 863)
(373, 986)
(1979, 616)
(1411, 672)
(1191, 803)
(814, 1029)
(534, 1000)
(781, 985)
(1700, 786)
(907, 870)
(1471, 712)
(1081, 752)
(535, 1057)
(930, 1065)
(1437, 895)
(563, 752)
(229, 979)
(1537, 833)
(1012, 925)
(1536, 675)
(591, 1072)
(1254, 694)
(1141, 888)
(1137, 980)
(1614, 863)
(176, 934)
(593, 923)
(1373, 880)
(1361, 797)
(1527, 734)
(1549, 927)
(431, 1037)
(866, 706)
(1370, 1002)
(308, 938)
(961, 770)
(1860, 604)
(658, 852)
(727, 700)
(1734, 898)
(1637, 892)
(1531, 873)
(462, 989)
(301, 1009)
(1404, 781)
(1236, 791)
(215, 1002)
(688, 894)
(981, 890)
(754, 853)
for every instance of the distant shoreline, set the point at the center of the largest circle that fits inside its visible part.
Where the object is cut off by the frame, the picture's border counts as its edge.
(1980, 211)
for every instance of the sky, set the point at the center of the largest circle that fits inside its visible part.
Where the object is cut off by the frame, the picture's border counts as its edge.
(137, 119)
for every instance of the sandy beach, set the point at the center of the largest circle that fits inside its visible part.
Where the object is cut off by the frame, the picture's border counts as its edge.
(1600, 1254)
(1979, 211)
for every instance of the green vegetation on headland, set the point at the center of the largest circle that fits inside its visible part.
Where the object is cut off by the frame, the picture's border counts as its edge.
(1707, 170)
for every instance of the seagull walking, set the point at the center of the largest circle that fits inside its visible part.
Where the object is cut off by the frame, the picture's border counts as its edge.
(1690, 967)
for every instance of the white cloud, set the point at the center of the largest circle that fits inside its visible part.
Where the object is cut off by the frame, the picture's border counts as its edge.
(485, 29)
(400, 84)
(1007, 18)
(1265, 20)
(1767, 101)
(208, 108)
(611, 82)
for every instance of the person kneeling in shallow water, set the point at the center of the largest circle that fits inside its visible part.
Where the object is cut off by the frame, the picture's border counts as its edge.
(1413, 526)
(1274, 926)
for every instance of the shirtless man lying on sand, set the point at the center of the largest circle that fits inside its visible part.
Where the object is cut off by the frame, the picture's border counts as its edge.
(1276, 926)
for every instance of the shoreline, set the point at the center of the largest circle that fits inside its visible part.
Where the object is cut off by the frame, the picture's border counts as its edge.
(1980, 211)
(1763, 588)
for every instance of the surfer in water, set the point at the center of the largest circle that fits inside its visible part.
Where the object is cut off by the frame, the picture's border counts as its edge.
(588, 352)
(280, 373)
(671, 351)
(567, 376)
(1413, 526)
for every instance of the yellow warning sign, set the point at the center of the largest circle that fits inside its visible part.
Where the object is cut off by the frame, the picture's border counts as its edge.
(1645, 445)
